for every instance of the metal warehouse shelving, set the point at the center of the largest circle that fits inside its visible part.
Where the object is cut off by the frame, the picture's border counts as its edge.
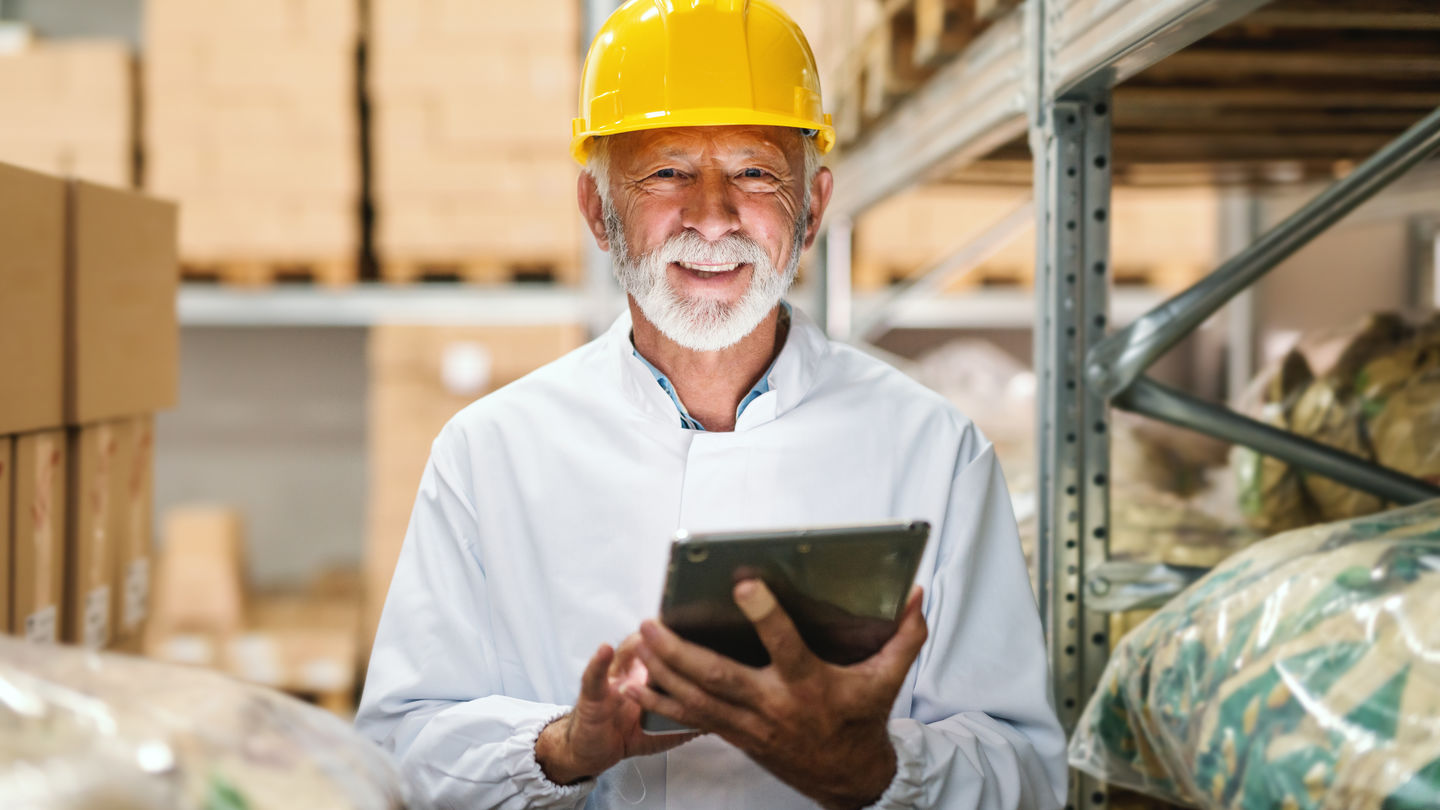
(1223, 83)
(206, 305)
(370, 304)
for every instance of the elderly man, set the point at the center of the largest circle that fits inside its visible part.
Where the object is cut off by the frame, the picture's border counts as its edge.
(542, 522)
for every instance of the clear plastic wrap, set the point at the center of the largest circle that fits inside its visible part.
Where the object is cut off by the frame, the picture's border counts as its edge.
(1378, 399)
(1304, 673)
(110, 732)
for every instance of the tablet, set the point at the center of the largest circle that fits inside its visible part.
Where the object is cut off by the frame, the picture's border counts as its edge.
(843, 586)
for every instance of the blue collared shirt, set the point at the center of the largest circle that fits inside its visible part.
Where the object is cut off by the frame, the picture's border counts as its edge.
(689, 422)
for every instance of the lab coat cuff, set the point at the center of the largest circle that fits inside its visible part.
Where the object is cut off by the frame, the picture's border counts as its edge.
(907, 789)
(530, 778)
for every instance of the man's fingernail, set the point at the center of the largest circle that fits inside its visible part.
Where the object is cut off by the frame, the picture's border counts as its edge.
(754, 599)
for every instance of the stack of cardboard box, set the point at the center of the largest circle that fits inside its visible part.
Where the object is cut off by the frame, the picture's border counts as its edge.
(420, 376)
(471, 106)
(90, 351)
(69, 109)
(252, 123)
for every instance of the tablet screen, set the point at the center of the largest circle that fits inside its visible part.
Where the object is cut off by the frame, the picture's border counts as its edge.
(844, 587)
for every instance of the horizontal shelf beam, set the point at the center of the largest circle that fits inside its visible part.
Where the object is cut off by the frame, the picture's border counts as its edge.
(1109, 41)
(456, 304)
(369, 304)
(970, 107)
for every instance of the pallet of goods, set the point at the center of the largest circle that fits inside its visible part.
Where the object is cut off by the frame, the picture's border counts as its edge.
(252, 123)
(69, 108)
(471, 103)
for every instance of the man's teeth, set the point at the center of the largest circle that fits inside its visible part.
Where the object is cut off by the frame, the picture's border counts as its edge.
(708, 270)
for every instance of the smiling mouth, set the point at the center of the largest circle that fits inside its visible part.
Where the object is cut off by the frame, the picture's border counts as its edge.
(709, 270)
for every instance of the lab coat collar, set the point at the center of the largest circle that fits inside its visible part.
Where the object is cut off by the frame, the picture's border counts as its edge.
(791, 378)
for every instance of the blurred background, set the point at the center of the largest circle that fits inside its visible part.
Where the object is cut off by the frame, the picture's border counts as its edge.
(377, 225)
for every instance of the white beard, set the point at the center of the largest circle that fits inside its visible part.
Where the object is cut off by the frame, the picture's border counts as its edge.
(700, 324)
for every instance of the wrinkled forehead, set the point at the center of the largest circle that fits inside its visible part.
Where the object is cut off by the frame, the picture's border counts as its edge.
(710, 143)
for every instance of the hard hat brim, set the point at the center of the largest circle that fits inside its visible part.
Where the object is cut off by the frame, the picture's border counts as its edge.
(704, 117)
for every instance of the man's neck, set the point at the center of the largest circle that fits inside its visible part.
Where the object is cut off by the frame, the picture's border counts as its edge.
(711, 384)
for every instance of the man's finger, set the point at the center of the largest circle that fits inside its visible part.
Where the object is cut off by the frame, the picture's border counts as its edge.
(593, 685)
(792, 659)
(625, 658)
(699, 706)
(652, 701)
(900, 651)
(717, 674)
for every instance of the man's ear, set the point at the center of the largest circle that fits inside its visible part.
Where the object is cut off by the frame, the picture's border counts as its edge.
(820, 190)
(591, 208)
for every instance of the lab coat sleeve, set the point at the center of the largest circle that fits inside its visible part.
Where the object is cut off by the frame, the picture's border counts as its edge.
(981, 730)
(432, 694)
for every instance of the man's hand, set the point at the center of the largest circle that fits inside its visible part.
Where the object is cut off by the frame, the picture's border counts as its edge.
(818, 727)
(604, 726)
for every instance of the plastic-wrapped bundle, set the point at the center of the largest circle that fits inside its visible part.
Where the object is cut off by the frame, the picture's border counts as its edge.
(109, 732)
(1302, 673)
(1379, 400)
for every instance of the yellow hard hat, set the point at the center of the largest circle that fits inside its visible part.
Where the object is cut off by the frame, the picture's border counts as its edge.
(695, 63)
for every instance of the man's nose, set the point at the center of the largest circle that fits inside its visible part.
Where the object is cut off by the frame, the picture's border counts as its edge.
(710, 211)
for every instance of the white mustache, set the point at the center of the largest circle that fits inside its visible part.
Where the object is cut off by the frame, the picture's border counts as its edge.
(693, 248)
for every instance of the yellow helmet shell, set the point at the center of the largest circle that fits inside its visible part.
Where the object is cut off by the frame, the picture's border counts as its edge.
(695, 63)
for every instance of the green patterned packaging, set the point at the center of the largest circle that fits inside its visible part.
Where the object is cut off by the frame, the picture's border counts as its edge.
(1303, 673)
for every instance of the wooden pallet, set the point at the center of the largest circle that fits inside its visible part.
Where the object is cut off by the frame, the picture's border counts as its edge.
(264, 272)
(340, 703)
(480, 270)
(912, 39)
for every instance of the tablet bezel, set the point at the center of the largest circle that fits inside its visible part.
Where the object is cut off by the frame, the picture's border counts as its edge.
(716, 557)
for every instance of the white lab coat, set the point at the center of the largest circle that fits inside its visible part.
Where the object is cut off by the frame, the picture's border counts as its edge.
(542, 528)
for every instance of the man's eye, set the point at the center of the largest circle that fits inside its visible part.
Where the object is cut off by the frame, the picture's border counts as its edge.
(755, 173)
(667, 174)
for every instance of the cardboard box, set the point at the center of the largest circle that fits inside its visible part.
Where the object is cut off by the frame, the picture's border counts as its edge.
(69, 109)
(134, 542)
(91, 528)
(199, 587)
(251, 226)
(123, 338)
(415, 22)
(38, 518)
(32, 302)
(420, 376)
(75, 70)
(7, 483)
(170, 21)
